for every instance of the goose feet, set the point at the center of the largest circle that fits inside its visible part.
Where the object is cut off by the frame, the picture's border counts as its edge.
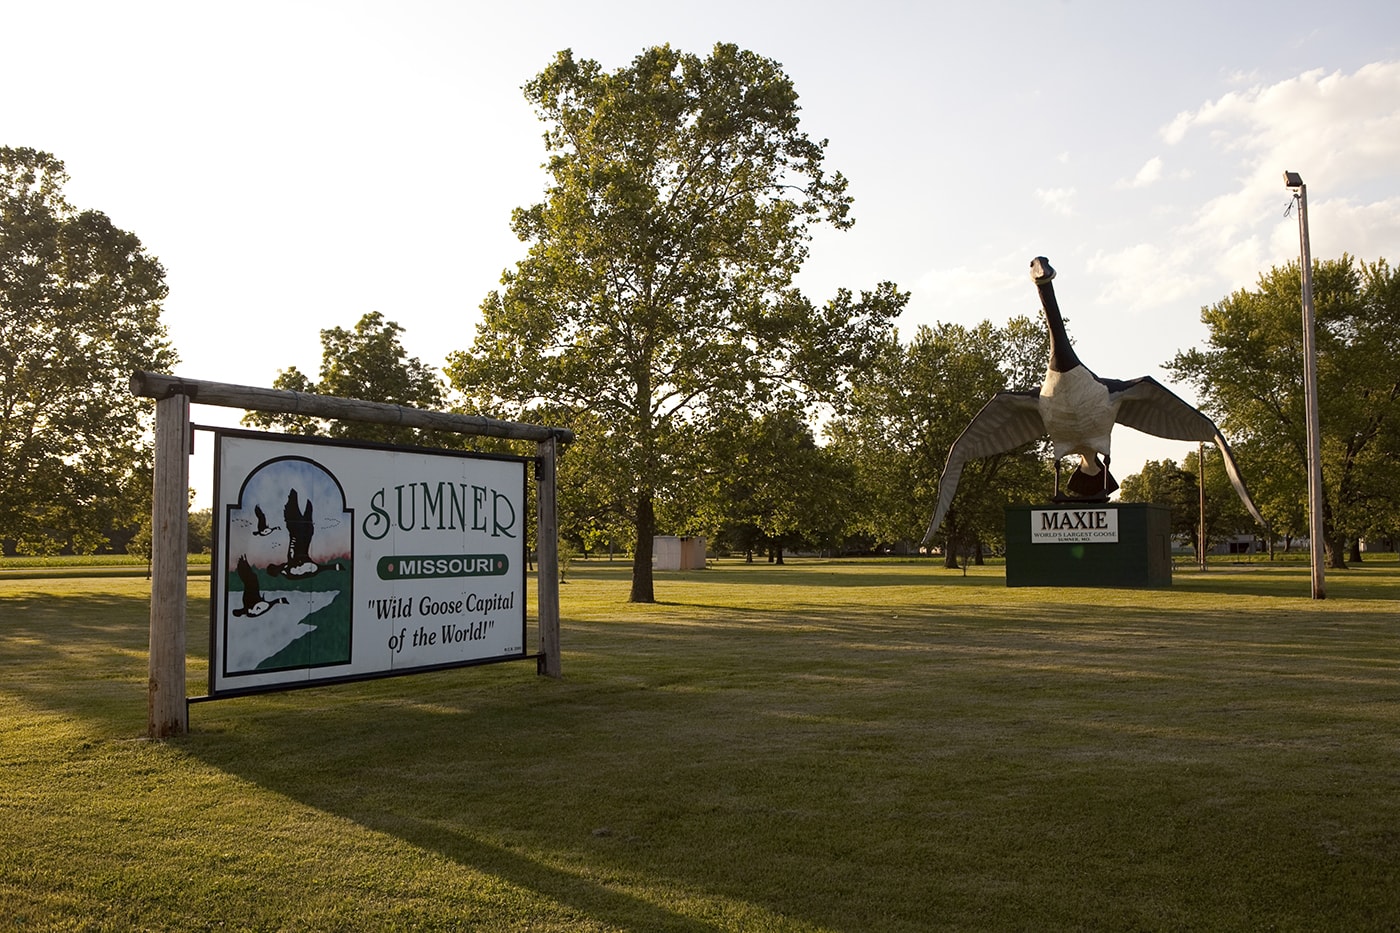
(1085, 487)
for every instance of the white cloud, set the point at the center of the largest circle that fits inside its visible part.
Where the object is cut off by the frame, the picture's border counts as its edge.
(963, 286)
(1150, 173)
(1175, 131)
(1057, 199)
(1325, 126)
(1367, 231)
(1341, 132)
(1145, 276)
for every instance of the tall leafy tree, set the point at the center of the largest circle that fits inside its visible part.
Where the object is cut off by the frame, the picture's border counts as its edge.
(898, 425)
(369, 363)
(1250, 376)
(593, 506)
(1164, 482)
(1178, 487)
(80, 303)
(768, 483)
(658, 280)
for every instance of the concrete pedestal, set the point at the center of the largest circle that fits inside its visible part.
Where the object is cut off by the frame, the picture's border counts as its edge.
(1105, 544)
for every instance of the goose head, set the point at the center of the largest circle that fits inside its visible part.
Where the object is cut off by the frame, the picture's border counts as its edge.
(1062, 355)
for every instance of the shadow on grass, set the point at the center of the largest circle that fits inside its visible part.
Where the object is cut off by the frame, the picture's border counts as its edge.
(85, 656)
(386, 764)
(522, 785)
(850, 767)
(849, 754)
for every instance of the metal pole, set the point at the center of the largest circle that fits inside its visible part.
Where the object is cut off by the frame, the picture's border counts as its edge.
(547, 540)
(1315, 531)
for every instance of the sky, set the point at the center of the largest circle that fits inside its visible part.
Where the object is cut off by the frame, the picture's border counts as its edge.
(296, 165)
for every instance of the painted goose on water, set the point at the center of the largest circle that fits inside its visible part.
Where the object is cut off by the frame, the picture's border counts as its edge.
(1078, 410)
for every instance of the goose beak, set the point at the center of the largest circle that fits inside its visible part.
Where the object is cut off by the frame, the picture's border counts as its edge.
(1041, 271)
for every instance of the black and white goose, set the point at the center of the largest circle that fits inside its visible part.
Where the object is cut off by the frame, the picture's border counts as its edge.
(1078, 410)
(254, 603)
(263, 529)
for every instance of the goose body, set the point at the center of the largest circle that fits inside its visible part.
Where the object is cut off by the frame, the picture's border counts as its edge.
(1078, 410)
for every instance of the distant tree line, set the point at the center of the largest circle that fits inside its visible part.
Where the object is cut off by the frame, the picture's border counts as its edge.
(655, 313)
(1250, 376)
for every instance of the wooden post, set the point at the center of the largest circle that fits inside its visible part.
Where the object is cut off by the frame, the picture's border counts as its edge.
(1201, 468)
(547, 541)
(167, 712)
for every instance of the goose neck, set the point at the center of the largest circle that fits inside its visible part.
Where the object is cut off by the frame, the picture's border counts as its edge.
(1062, 355)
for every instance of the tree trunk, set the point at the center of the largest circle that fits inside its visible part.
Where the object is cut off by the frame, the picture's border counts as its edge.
(1356, 550)
(1337, 554)
(643, 590)
(1333, 543)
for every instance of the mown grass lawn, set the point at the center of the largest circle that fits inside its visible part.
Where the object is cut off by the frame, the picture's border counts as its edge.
(820, 746)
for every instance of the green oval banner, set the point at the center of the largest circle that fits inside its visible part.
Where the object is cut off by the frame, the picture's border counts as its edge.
(434, 566)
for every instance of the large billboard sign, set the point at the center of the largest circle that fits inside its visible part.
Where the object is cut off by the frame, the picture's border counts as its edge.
(343, 562)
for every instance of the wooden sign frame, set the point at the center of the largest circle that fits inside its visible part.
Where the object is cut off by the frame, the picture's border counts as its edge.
(167, 703)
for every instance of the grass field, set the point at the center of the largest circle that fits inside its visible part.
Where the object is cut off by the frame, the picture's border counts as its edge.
(820, 746)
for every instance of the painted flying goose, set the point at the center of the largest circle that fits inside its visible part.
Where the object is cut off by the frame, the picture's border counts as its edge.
(301, 527)
(263, 529)
(254, 603)
(1078, 410)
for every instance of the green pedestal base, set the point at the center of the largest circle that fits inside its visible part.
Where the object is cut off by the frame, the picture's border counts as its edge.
(1108, 544)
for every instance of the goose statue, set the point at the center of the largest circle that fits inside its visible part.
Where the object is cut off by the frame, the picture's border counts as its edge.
(1078, 410)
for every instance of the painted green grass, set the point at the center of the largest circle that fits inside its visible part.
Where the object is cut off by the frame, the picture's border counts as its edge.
(821, 746)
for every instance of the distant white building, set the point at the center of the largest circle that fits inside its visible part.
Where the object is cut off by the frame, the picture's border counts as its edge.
(669, 552)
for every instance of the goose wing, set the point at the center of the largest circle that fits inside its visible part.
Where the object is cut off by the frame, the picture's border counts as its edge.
(1008, 420)
(1148, 406)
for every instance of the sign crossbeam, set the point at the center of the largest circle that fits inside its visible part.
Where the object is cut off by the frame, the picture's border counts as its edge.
(281, 401)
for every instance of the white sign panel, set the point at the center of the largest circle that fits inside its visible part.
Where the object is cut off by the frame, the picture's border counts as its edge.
(338, 562)
(1069, 526)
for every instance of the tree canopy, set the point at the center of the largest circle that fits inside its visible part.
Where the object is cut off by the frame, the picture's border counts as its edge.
(1178, 487)
(657, 284)
(80, 304)
(370, 363)
(897, 426)
(1250, 375)
(765, 482)
(1163, 482)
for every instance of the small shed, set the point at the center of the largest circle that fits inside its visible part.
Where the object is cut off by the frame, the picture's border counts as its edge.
(669, 552)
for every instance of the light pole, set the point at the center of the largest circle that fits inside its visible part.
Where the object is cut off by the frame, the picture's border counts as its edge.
(1300, 194)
